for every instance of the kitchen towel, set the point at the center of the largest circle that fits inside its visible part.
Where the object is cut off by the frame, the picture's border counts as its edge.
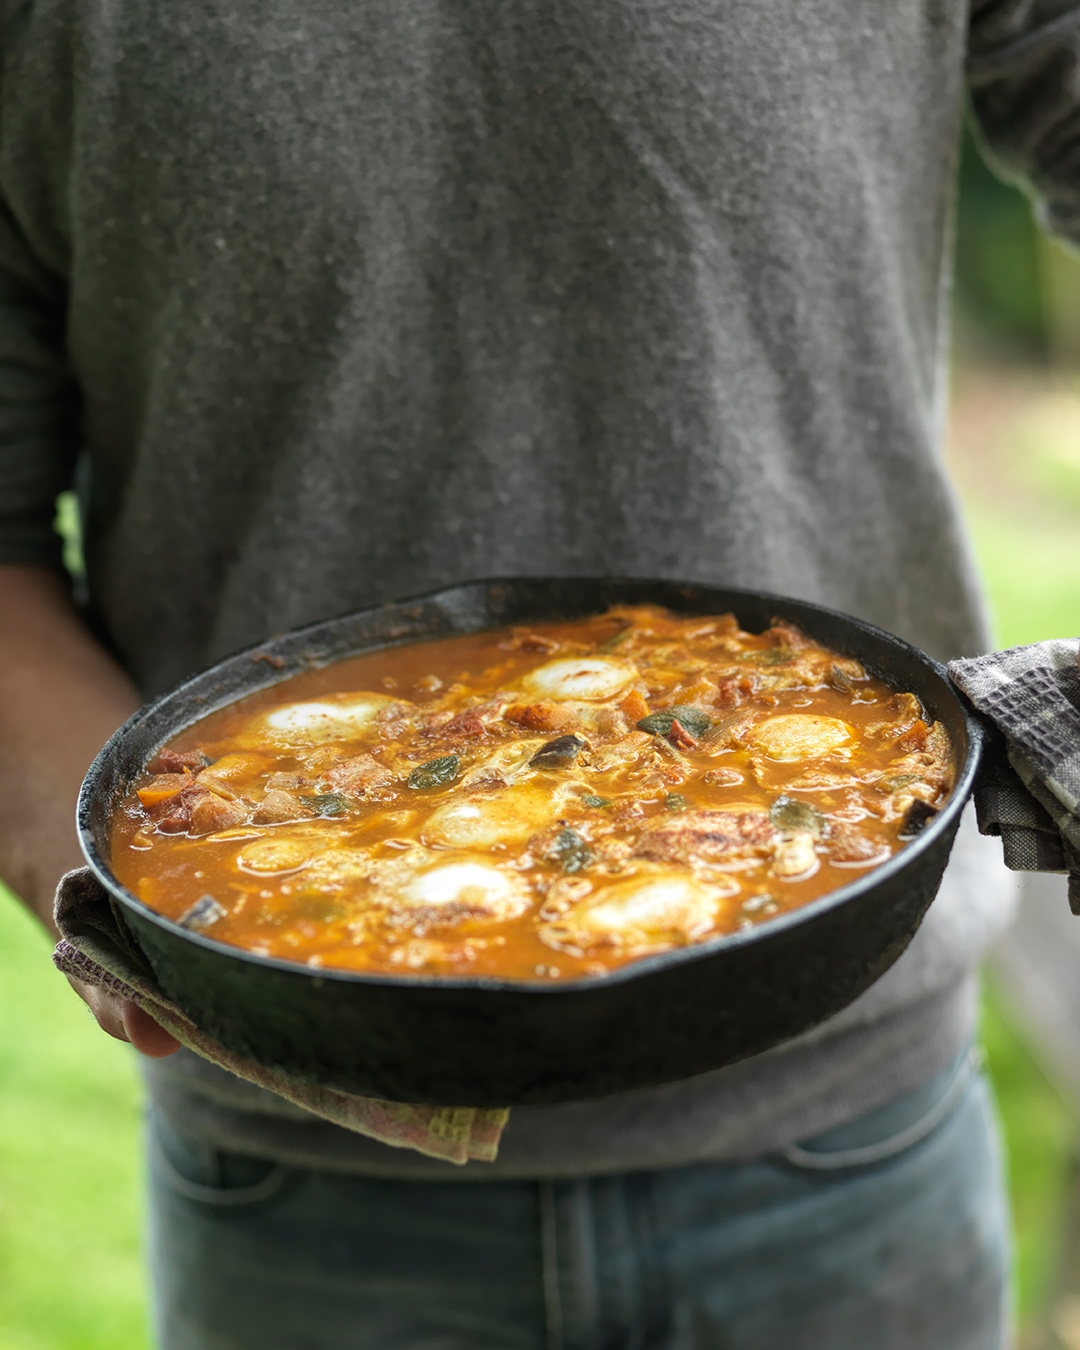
(95, 947)
(1028, 791)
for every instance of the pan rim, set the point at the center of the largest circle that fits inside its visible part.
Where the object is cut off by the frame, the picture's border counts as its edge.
(774, 928)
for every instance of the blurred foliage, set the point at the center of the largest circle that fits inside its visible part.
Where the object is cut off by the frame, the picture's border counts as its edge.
(998, 294)
(1014, 436)
(1016, 292)
(69, 527)
(1040, 1133)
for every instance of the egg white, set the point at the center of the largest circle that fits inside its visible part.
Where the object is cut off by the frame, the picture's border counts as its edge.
(795, 736)
(651, 909)
(484, 890)
(584, 677)
(336, 718)
(480, 820)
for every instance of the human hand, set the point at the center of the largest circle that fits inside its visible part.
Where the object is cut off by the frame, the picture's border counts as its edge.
(61, 697)
(126, 1021)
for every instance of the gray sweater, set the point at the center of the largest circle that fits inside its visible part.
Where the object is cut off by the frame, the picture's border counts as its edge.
(322, 304)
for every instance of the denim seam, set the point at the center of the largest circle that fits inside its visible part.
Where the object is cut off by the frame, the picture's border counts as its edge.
(654, 1315)
(897, 1143)
(549, 1259)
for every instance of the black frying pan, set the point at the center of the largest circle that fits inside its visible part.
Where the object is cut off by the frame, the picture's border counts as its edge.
(489, 1042)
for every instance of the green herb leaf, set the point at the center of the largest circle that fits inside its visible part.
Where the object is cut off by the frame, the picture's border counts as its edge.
(675, 801)
(557, 754)
(436, 773)
(570, 851)
(768, 656)
(327, 804)
(692, 719)
(786, 813)
(657, 723)
(590, 800)
(839, 679)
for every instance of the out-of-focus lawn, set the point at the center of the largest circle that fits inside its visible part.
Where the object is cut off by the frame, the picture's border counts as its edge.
(70, 1275)
(1041, 1136)
(1025, 614)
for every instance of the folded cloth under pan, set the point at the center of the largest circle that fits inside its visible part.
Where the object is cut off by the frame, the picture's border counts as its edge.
(1028, 791)
(95, 947)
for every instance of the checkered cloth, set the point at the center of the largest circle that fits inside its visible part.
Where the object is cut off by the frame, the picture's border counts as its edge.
(97, 948)
(1029, 786)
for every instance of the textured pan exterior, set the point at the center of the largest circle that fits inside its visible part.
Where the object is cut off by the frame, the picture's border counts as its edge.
(484, 1042)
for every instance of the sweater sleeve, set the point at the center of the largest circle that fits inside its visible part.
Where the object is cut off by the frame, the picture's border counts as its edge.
(38, 418)
(1024, 75)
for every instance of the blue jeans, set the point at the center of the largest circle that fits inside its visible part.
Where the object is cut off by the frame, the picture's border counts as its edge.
(886, 1234)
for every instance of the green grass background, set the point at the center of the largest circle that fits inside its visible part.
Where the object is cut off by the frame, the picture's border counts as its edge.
(70, 1273)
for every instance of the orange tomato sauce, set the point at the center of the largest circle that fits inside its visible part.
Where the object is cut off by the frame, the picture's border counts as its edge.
(536, 803)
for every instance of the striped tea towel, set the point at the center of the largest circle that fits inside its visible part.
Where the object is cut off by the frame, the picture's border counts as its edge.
(97, 948)
(1029, 786)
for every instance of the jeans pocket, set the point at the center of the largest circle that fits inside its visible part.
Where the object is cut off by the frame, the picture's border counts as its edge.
(196, 1170)
(892, 1129)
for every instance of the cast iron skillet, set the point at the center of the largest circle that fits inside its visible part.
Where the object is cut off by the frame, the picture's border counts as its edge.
(490, 1042)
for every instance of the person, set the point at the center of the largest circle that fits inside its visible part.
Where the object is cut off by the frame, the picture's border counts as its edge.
(321, 306)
